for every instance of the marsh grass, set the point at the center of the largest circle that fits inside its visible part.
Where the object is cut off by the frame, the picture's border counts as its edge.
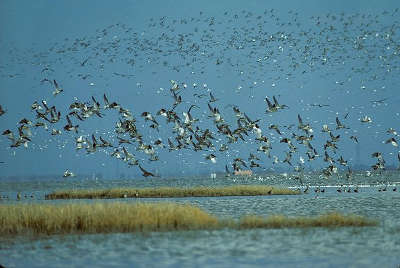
(101, 218)
(163, 192)
(333, 219)
(141, 217)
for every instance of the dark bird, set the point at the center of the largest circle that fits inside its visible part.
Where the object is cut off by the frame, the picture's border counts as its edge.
(104, 143)
(147, 116)
(271, 107)
(212, 98)
(319, 105)
(9, 134)
(354, 138)
(306, 127)
(69, 126)
(275, 127)
(378, 101)
(108, 105)
(277, 105)
(339, 125)
(146, 173)
(2, 111)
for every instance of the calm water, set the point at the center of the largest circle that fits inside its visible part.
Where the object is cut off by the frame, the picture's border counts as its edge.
(318, 247)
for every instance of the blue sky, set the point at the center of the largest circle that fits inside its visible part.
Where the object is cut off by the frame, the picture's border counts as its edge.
(33, 31)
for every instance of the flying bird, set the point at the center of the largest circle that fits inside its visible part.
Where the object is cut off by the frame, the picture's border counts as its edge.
(146, 173)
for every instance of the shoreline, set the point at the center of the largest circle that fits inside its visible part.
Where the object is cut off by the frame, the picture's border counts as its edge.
(171, 192)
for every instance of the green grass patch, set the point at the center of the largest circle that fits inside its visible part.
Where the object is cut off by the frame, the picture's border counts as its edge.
(163, 192)
(138, 217)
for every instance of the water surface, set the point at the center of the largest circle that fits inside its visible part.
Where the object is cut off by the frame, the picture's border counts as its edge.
(298, 247)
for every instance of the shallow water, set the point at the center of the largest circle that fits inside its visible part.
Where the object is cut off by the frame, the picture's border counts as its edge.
(319, 247)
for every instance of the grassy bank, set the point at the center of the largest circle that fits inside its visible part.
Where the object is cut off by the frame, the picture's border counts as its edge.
(101, 218)
(124, 217)
(237, 190)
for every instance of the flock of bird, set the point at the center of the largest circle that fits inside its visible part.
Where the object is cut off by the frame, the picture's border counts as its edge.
(368, 46)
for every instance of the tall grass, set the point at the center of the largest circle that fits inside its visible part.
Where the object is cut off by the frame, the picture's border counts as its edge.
(236, 190)
(124, 217)
(101, 218)
(333, 219)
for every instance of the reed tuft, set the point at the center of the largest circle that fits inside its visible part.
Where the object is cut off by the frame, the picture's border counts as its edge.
(164, 192)
(333, 219)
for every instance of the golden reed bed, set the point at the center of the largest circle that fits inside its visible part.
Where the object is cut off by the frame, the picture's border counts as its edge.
(127, 217)
(237, 190)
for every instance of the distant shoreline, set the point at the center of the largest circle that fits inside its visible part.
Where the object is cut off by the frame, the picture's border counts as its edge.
(168, 192)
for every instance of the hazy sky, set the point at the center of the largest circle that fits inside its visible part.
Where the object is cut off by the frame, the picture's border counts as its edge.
(32, 33)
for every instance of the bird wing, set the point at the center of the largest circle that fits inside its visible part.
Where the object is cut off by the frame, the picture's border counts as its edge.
(275, 101)
(268, 102)
(105, 99)
(338, 122)
(68, 120)
(300, 120)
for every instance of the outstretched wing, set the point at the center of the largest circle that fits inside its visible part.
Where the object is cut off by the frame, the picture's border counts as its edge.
(105, 99)
(300, 120)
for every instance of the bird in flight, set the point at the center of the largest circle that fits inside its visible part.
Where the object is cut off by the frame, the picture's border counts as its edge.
(146, 173)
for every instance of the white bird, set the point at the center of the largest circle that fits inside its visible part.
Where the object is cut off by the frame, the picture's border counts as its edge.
(366, 119)
(55, 132)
